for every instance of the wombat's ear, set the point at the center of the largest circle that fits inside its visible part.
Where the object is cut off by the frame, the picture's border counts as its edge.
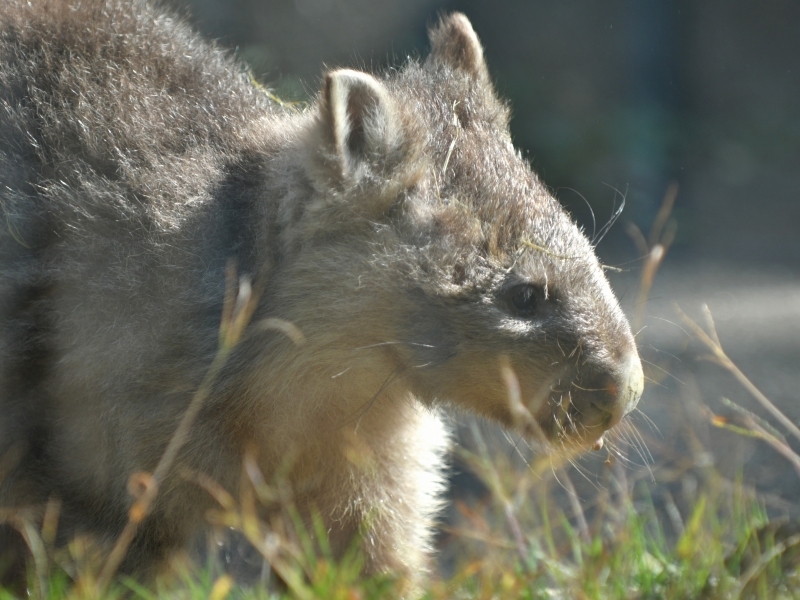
(359, 124)
(455, 44)
(363, 151)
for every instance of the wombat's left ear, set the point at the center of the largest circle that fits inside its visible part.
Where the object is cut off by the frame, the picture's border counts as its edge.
(455, 44)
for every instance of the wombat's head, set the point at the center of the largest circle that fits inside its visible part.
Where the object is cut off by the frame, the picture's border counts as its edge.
(468, 277)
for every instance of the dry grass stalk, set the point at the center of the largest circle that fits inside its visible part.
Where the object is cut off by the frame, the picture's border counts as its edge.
(236, 313)
(711, 341)
(653, 249)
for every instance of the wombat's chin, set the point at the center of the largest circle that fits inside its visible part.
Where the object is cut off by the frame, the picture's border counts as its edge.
(570, 440)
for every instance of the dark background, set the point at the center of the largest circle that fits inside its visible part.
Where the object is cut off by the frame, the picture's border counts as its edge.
(621, 98)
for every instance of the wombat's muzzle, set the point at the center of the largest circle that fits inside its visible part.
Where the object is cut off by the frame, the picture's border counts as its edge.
(598, 399)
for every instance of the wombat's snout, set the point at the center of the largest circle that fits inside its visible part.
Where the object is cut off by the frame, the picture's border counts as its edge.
(602, 399)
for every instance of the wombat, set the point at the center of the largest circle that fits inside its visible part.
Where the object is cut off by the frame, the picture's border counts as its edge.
(392, 222)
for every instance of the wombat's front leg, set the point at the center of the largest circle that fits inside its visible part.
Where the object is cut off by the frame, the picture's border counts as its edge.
(381, 489)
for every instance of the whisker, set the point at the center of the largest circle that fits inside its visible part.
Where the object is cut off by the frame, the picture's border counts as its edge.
(653, 427)
(572, 383)
(390, 380)
(641, 443)
(619, 266)
(638, 444)
(584, 472)
(398, 374)
(589, 206)
(620, 453)
(622, 457)
(341, 372)
(651, 381)
(554, 471)
(624, 438)
(379, 344)
(667, 373)
(660, 351)
(688, 335)
(613, 219)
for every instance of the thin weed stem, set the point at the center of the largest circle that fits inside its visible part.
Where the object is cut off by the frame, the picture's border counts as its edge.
(711, 341)
(236, 313)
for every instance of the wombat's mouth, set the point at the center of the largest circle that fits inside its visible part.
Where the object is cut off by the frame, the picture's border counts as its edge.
(571, 421)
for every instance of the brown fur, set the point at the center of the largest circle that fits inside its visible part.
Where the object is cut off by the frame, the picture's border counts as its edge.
(392, 222)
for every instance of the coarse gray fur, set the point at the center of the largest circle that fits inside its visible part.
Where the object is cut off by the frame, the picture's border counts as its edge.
(392, 222)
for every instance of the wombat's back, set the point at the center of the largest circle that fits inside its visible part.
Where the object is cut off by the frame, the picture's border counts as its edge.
(129, 149)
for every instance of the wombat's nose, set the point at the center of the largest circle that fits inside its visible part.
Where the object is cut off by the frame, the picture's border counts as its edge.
(626, 389)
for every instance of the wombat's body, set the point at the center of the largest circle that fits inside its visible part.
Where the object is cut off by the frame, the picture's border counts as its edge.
(392, 222)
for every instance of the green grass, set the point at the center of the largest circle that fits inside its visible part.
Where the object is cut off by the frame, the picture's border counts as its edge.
(726, 549)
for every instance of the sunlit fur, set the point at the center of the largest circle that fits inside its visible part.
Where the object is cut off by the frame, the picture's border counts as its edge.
(387, 222)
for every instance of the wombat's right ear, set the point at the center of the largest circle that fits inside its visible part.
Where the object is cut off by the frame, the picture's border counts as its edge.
(362, 150)
(455, 44)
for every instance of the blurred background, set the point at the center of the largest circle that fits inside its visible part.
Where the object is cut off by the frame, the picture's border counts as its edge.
(609, 98)
(621, 99)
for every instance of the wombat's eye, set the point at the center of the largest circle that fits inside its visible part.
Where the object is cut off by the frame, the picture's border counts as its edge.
(525, 299)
